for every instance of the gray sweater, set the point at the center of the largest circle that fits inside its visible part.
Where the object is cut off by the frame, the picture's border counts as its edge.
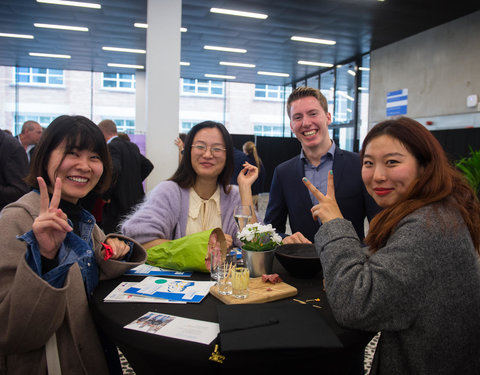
(421, 290)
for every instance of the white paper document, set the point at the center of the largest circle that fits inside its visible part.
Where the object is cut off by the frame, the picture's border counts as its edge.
(176, 327)
(147, 270)
(172, 289)
(118, 295)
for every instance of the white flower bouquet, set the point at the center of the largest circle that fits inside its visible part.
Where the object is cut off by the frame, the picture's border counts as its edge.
(258, 237)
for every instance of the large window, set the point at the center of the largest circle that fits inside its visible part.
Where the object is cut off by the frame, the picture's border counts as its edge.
(202, 87)
(125, 125)
(120, 81)
(268, 130)
(345, 94)
(43, 120)
(38, 76)
(270, 92)
(185, 126)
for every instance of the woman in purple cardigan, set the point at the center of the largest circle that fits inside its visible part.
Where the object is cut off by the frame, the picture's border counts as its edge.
(198, 196)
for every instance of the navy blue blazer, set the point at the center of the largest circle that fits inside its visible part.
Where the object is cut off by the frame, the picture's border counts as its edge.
(289, 196)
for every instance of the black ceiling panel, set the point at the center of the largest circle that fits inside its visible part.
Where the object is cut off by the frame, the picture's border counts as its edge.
(358, 26)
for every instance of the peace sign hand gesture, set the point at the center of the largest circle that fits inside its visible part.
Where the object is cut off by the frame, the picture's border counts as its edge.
(327, 207)
(51, 226)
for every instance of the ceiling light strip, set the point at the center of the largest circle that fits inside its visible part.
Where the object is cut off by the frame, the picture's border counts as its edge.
(71, 3)
(364, 68)
(351, 72)
(239, 13)
(315, 63)
(54, 55)
(219, 76)
(274, 74)
(241, 65)
(129, 50)
(128, 66)
(184, 63)
(22, 36)
(225, 49)
(313, 40)
(60, 27)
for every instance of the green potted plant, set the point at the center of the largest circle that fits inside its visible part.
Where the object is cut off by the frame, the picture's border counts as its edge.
(258, 250)
(470, 166)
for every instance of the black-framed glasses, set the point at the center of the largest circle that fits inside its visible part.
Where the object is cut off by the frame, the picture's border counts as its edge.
(215, 150)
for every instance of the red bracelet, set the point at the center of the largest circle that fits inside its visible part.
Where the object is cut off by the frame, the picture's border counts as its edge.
(108, 251)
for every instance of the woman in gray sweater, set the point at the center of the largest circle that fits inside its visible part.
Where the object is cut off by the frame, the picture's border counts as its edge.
(418, 281)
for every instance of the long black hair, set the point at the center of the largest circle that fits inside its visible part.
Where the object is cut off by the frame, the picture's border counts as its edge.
(77, 132)
(185, 175)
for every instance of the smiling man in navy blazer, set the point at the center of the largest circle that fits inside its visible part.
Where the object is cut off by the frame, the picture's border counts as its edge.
(309, 120)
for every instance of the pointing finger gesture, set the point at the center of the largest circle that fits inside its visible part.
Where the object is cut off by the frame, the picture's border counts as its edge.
(327, 207)
(51, 226)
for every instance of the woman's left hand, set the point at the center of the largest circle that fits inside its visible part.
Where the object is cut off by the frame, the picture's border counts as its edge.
(247, 175)
(228, 240)
(119, 247)
(327, 207)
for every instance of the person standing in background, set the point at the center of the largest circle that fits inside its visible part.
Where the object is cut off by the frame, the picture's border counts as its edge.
(250, 150)
(180, 143)
(29, 137)
(13, 169)
(130, 168)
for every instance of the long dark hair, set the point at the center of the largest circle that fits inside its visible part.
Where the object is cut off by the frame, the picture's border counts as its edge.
(78, 132)
(185, 175)
(438, 182)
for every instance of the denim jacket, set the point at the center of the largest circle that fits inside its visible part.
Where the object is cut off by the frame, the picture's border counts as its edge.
(74, 249)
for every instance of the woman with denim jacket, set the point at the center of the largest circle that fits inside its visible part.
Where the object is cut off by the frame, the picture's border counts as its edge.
(54, 254)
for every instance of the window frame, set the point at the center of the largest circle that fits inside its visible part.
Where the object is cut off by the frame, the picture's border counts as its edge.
(49, 75)
(199, 84)
(122, 126)
(118, 80)
(276, 130)
(279, 92)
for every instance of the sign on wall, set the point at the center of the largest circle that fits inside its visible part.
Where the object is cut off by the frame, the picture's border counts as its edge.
(397, 102)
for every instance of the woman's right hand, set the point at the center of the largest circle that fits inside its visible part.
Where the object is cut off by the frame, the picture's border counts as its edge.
(51, 226)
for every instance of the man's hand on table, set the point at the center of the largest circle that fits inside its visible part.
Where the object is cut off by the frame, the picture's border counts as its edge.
(295, 238)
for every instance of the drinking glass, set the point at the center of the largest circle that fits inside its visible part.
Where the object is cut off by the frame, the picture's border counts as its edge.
(224, 281)
(242, 215)
(240, 278)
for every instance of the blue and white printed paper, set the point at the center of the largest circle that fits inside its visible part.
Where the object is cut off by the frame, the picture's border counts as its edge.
(172, 289)
(147, 270)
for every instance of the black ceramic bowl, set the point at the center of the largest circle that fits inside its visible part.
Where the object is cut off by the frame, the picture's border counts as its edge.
(300, 260)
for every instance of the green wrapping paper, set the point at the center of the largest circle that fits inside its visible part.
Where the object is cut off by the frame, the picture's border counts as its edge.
(189, 253)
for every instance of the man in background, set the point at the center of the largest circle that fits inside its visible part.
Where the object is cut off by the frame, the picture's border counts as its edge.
(130, 169)
(29, 136)
(309, 120)
(13, 169)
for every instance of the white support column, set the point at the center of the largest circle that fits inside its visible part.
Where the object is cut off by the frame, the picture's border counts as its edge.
(162, 87)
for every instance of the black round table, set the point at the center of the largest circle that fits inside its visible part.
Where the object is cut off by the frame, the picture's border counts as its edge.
(153, 354)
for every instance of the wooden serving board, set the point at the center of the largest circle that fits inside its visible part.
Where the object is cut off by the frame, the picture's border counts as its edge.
(258, 292)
